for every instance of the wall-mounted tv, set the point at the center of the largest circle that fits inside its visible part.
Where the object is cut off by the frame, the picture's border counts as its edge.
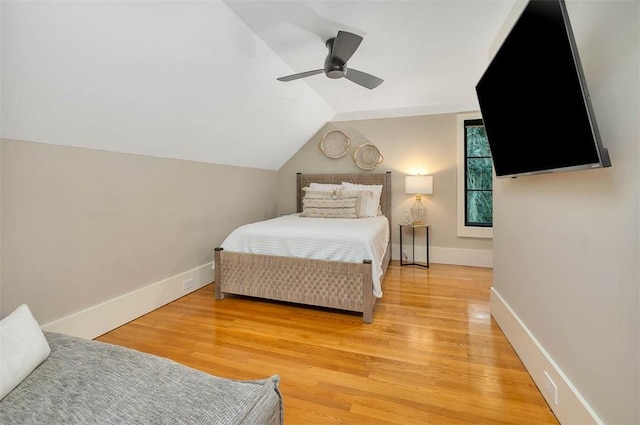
(534, 101)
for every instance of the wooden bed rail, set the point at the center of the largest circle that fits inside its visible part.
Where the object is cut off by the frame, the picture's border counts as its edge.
(331, 284)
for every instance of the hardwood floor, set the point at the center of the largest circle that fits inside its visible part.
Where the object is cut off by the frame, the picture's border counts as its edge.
(433, 354)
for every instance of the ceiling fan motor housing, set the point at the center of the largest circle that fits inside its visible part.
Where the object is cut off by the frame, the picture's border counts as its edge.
(333, 68)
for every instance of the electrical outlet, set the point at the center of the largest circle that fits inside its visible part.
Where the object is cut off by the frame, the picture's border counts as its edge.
(550, 388)
(187, 284)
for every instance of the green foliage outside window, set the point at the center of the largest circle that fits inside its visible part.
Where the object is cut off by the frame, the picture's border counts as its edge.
(479, 176)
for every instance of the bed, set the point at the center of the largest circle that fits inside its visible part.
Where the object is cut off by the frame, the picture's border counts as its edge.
(336, 284)
(69, 380)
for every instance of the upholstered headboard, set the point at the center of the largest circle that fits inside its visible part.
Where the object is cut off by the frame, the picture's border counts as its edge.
(303, 180)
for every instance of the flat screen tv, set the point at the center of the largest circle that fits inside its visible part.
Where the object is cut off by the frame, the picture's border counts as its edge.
(534, 101)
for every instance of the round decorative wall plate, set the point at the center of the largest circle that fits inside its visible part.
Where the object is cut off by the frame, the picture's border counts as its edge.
(367, 156)
(334, 144)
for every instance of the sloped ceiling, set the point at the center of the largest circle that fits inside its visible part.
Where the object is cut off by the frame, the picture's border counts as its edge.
(197, 80)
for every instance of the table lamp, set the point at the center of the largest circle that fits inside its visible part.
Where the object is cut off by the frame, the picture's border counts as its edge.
(418, 185)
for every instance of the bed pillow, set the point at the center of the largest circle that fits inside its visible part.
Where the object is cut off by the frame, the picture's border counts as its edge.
(23, 347)
(325, 186)
(372, 208)
(329, 207)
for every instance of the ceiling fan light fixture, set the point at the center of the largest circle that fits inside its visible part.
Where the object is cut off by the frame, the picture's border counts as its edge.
(335, 72)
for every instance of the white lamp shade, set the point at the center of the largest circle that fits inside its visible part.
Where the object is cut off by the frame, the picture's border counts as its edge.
(419, 185)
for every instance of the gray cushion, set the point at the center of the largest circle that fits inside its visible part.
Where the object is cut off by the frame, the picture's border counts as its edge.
(90, 382)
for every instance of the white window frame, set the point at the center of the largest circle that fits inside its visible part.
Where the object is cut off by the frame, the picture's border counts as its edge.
(467, 231)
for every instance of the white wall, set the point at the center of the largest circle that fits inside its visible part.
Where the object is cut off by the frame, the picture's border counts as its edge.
(170, 79)
(419, 144)
(566, 245)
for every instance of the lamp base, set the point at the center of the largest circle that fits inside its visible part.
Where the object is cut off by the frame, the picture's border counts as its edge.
(418, 212)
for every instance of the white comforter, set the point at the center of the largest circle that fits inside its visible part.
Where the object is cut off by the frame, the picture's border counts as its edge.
(337, 239)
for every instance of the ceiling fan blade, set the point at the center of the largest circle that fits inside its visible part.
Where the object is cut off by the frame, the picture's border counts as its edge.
(345, 46)
(365, 80)
(301, 75)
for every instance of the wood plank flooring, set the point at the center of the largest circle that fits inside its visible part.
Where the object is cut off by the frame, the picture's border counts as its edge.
(433, 354)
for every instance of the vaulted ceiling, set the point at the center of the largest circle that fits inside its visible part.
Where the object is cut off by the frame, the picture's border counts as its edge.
(197, 80)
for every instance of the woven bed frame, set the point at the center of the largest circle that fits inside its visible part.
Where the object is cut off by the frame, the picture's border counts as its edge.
(321, 283)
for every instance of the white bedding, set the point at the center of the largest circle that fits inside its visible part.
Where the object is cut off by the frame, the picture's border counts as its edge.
(337, 239)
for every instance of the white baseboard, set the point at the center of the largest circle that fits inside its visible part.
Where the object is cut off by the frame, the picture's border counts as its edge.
(104, 317)
(462, 257)
(457, 256)
(571, 408)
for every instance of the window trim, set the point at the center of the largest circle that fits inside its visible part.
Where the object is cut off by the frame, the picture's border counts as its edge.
(463, 230)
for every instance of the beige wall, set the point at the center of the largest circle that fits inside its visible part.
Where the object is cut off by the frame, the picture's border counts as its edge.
(566, 248)
(82, 226)
(1, 233)
(424, 144)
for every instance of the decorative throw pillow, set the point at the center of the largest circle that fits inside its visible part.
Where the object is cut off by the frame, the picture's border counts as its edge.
(362, 196)
(23, 347)
(329, 208)
(319, 193)
(373, 200)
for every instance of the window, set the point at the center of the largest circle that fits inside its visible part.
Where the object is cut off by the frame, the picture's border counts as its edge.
(475, 179)
(478, 176)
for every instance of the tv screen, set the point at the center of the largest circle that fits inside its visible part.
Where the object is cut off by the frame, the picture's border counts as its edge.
(534, 101)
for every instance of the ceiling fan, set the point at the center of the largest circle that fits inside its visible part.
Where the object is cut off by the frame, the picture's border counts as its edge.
(341, 48)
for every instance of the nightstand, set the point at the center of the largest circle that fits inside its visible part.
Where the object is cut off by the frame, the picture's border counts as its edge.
(413, 228)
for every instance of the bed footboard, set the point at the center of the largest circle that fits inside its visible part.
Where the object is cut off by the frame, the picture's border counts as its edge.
(331, 284)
